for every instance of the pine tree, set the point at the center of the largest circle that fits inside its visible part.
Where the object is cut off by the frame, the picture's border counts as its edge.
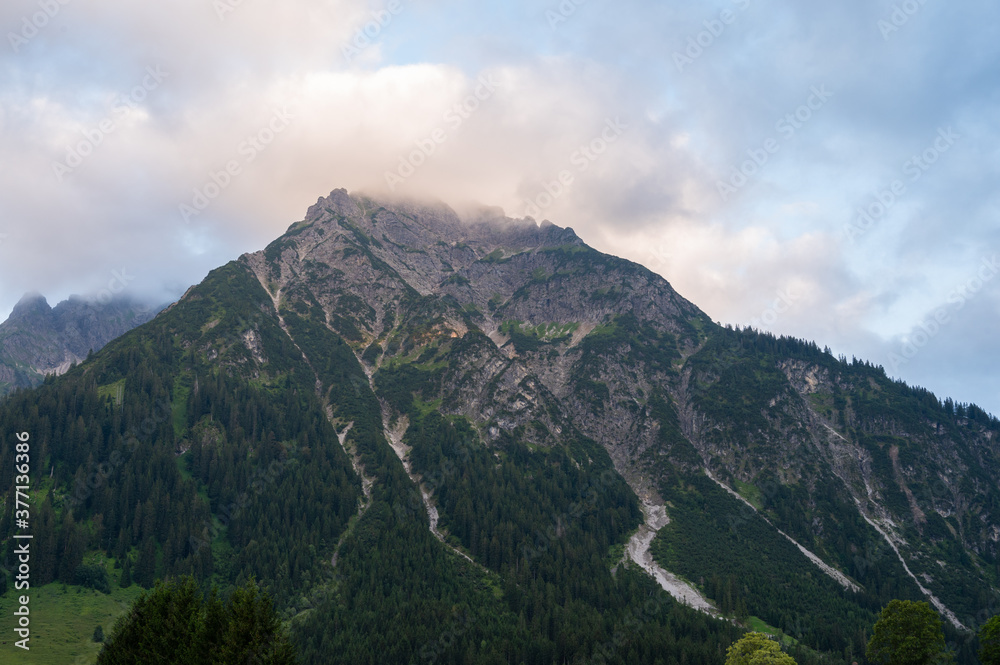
(989, 642)
(253, 632)
(126, 577)
(70, 550)
(175, 622)
(145, 567)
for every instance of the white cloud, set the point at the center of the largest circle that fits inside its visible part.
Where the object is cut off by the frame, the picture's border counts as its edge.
(652, 187)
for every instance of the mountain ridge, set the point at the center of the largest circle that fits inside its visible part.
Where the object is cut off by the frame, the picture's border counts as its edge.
(37, 340)
(475, 269)
(470, 411)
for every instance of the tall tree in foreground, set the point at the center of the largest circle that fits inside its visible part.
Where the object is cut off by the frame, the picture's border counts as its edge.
(906, 633)
(989, 642)
(173, 623)
(757, 649)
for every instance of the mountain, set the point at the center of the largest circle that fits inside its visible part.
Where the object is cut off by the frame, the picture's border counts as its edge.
(479, 440)
(37, 340)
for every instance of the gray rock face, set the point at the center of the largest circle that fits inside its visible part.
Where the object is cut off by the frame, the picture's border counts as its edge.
(530, 334)
(37, 339)
(392, 278)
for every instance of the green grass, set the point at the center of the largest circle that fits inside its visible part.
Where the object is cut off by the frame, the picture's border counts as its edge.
(822, 402)
(182, 389)
(114, 390)
(63, 618)
(568, 250)
(759, 625)
(750, 492)
(541, 333)
(426, 407)
(615, 554)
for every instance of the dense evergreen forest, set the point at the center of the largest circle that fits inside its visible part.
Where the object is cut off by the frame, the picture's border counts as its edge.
(239, 436)
(192, 468)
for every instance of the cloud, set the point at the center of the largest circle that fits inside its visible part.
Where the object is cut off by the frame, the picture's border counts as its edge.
(259, 106)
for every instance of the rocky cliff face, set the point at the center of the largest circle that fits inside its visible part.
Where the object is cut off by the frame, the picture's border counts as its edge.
(534, 336)
(473, 390)
(37, 340)
(394, 281)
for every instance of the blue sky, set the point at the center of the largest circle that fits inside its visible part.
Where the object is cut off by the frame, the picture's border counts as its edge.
(752, 134)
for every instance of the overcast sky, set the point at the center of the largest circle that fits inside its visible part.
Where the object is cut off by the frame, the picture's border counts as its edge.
(826, 170)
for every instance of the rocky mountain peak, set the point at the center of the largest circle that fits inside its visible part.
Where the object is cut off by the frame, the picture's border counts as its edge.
(423, 222)
(492, 393)
(31, 303)
(38, 339)
(362, 260)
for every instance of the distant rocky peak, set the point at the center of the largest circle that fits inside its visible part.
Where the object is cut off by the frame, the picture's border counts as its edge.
(31, 303)
(38, 339)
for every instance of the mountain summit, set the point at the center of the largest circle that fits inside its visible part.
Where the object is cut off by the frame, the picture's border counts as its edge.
(37, 340)
(478, 439)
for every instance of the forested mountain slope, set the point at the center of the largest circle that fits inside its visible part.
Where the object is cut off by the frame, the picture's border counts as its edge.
(435, 438)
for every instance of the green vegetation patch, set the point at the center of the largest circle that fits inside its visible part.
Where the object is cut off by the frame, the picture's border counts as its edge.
(178, 407)
(496, 256)
(749, 492)
(114, 391)
(527, 338)
(63, 619)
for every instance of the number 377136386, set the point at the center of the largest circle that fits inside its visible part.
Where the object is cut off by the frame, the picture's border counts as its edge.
(22, 465)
